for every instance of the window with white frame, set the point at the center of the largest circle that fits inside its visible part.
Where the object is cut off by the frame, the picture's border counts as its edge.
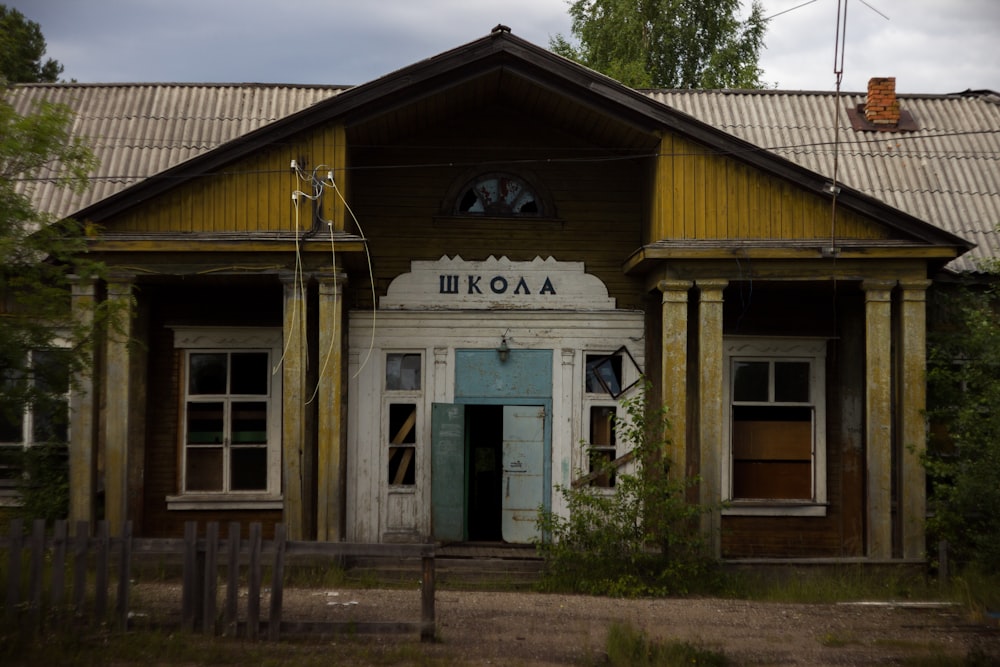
(42, 387)
(230, 430)
(603, 382)
(403, 391)
(775, 418)
(34, 410)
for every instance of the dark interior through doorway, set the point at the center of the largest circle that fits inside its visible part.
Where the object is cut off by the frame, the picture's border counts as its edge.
(484, 429)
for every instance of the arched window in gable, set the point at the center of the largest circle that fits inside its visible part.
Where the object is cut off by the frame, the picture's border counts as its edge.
(498, 194)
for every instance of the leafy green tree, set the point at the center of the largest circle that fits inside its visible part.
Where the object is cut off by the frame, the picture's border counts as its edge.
(41, 347)
(22, 48)
(963, 455)
(667, 43)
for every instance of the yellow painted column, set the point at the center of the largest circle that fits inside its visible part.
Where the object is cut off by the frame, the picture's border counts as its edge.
(710, 391)
(912, 423)
(878, 424)
(673, 373)
(82, 424)
(293, 408)
(332, 454)
(117, 398)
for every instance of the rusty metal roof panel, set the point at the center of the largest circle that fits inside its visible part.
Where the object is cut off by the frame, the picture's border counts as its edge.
(137, 130)
(946, 172)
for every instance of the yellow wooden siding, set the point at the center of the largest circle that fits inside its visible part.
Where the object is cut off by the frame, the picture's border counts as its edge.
(700, 194)
(253, 194)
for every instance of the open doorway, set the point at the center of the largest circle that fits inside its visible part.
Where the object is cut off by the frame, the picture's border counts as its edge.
(484, 431)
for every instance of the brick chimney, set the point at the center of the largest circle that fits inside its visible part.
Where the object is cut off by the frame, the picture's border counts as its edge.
(882, 107)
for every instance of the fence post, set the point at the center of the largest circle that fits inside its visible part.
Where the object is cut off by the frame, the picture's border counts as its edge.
(277, 583)
(16, 542)
(427, 626)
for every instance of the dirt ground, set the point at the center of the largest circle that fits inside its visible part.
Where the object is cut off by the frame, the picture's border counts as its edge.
(534, 629)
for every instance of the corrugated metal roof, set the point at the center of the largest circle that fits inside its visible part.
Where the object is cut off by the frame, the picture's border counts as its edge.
(137, 130)
(946, 172)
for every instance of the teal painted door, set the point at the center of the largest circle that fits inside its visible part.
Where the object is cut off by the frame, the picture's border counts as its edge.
(523, 482)
(448, 472)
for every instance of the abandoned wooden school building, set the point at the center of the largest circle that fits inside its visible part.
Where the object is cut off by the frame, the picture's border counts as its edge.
(403, 310)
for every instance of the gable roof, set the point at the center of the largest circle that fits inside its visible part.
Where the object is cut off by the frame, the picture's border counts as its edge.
(151, 136)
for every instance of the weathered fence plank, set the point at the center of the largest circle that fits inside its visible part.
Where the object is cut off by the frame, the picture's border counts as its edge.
(232, 580)
(277, 581)
(16, 541)
(101, 571)
(124, 576)
(58, 585)
(211, 580)
(253, 583)
(80, 565)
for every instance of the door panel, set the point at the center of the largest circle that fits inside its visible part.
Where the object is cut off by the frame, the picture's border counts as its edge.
(523, 471)
(448, 472)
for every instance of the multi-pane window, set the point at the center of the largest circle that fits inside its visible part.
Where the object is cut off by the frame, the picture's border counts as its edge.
(603, 382)
(227, 421)
(41, 386)
(403, 385)
(776, 419)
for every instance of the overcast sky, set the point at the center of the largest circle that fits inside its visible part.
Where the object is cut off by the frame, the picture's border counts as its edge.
(930, 46)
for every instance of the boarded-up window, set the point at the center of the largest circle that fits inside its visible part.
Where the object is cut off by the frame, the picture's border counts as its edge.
(776, 396)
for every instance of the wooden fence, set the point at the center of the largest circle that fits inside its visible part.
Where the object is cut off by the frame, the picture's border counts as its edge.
(50, 557)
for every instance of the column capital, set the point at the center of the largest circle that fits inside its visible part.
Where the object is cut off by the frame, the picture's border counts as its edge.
(915, 290)
(711, 288)
(674, 291)
(289, 277)
(877, 290)
(81, 285)
(674, 285)
(330, 282)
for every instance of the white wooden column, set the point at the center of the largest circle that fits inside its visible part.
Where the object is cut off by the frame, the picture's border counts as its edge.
(710, 392)
(673, 371)
(82, 424)
(878, 415)
(332, 455)
(117, 398)
(912, 423)
(293, 408)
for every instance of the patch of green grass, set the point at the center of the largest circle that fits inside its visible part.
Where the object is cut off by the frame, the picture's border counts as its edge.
(150, 647)
(831, 640)
(830, 584)
(628, 647)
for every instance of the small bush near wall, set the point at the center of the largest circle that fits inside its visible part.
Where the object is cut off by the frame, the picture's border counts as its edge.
(639, 538)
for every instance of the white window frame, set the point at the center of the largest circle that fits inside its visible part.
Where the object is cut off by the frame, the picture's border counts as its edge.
(629, 376)
(9, 495)
(231, 339)
(28, 416)
(747, 348)
(414, 397)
